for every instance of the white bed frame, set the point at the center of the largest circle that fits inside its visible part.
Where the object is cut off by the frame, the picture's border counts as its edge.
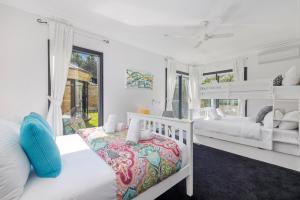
(283, 153)
(178, 130)
(264, 143)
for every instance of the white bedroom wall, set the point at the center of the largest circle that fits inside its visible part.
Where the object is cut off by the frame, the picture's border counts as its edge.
(23, 64)
(117, 58)
(23, 69)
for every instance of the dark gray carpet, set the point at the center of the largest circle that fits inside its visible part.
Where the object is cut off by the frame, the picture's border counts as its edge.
(219, 175)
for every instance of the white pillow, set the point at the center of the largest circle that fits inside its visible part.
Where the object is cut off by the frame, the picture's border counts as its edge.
(14, 165)
(291, 77)
(220, 112)
(212, 114)
(146, 134)
(268, 120)
(111, 125)
(133, 134)
(277, 115)
(291, 122)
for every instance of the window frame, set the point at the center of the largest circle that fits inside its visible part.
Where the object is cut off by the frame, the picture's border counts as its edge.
(180, 74)
(100, 78)
(216, 101)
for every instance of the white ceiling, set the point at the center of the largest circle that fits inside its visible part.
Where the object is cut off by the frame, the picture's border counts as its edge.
(144, 23)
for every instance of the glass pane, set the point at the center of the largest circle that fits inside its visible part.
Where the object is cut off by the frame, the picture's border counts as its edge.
(223, 78)
(205, 103)
(229, 106)
(209, 79)
(185, 98)
(175, 103)
(81, 98)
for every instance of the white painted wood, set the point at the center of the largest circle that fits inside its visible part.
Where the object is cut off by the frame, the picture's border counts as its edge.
(256, 89)
(265, 143)
(276, 158)
(185, 131)
(158, 189)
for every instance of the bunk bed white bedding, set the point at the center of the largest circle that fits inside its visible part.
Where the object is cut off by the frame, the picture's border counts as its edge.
(240, 130)
(235, 126)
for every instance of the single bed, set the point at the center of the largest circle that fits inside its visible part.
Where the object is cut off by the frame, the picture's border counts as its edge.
(242, 130)
(86, 176)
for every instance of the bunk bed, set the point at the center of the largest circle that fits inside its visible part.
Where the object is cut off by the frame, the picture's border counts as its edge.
(231, 130)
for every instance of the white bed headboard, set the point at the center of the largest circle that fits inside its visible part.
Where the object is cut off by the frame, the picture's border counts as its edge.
(177, 129)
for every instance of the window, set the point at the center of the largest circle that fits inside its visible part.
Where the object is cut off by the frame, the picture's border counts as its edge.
(180, 100)
(228, 106)
(82, 104)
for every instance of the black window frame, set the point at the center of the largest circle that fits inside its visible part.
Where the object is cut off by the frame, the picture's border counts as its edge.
(224, 72)
(180, 74)
(100, 78)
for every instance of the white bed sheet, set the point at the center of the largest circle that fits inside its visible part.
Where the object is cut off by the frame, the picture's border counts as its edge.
(84, 176)
(235, 126)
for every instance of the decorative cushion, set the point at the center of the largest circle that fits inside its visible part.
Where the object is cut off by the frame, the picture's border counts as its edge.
(77, 123)
(72, 125)
(40, 147)
(14, 165)
(133, 134)
(111, 125)
(262, 113)
(268, 120)
(67, 126)
(278, 80)
(291, 77)
(43, 121)
(220, 112)
(213, 115)
(290, 121)
(146, 134)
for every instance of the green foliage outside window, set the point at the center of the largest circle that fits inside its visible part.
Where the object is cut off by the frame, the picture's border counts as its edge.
(86, 62)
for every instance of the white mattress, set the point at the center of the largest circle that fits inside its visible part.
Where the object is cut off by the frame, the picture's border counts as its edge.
(84, 176)
(235, 126)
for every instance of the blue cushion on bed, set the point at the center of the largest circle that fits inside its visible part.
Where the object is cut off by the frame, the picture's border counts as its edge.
(40, 147)
(43, 121)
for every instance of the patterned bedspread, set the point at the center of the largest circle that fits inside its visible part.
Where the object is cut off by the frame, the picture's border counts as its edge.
(137, 166)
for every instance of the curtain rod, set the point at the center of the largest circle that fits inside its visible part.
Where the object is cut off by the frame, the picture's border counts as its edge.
(39, 20)
(79, 31)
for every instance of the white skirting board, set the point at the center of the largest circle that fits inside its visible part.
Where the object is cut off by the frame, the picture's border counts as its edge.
(275, 158)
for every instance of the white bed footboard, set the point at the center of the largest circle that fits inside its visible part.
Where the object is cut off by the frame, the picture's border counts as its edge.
(178, 130)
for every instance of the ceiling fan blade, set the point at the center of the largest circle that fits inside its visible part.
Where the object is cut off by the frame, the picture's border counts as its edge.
(221, 35)
(198, 44)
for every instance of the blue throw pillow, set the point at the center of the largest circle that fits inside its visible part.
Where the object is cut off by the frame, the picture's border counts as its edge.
(43, 121)
(40, 147)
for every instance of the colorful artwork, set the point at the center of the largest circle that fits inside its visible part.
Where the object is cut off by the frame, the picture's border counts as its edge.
(135, 79)
(137, 166)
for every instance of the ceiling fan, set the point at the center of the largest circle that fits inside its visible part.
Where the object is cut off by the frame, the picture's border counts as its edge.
(208, 33)
(208, 28)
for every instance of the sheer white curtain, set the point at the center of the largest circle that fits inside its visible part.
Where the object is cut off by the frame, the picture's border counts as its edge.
(238, 68)
(171, 81)
(194, 84)
(61, 42)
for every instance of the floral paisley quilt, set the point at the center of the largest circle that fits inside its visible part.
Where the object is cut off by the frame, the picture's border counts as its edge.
(137, 166)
